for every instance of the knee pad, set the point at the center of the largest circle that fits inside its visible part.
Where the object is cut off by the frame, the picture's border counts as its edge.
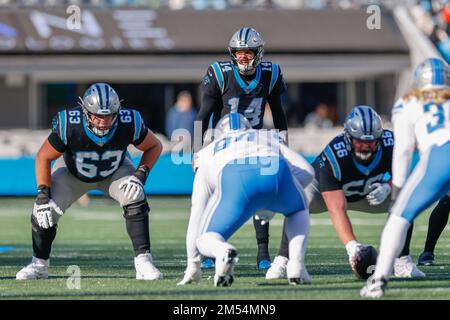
(136, 211)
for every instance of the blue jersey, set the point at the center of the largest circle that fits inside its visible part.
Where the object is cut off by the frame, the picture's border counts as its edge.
(91, 158)
(337, 169)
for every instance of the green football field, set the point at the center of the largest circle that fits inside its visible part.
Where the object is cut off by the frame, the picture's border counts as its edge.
(94, 239)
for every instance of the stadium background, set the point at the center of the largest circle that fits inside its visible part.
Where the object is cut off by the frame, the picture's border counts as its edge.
(151, 50)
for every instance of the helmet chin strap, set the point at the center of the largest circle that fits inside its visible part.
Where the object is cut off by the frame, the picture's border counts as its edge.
(100, 132)
(246, 69)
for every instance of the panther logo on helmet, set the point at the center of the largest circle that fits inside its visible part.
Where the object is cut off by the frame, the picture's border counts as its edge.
(246, 39)
(362, 131)
(100, 100)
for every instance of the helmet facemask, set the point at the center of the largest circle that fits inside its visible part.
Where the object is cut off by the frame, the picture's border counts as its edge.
(99, 101)
(363, 150)
(363, 130)
(246, 39)
(250, 68)
(100, 132)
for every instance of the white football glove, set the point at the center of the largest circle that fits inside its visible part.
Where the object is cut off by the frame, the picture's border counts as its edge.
(353, 248)
(192, 274)
(44, 213)
(265, 216)
(132, 188)
(379, 193)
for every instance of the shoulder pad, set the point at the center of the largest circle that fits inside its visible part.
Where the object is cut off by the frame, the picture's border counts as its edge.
(220, 68)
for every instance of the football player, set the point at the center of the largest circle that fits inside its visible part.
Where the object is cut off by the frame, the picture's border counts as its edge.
(245, 84)
(353, 173)
(241, 172)
(436, 224)
(92, 140)
(421, 120)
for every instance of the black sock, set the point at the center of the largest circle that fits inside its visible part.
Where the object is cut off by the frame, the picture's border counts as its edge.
(437, 222)
(262, 238)
(42, 242)
(138, 230)
(405, 251)
(284, 245)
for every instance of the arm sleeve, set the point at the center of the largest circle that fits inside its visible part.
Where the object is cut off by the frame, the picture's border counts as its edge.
(140, 130)
(404, 146)
(211, 101)
(58, 135)
(325, 176)
(277, 99)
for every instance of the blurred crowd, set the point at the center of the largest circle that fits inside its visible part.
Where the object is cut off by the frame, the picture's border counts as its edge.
(433, 18)
(212, 4)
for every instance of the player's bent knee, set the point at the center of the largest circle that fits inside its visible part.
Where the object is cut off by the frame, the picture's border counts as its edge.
(136, 211)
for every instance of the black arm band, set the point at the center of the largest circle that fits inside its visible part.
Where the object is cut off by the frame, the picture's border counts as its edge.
(142, 173)
(43, 194)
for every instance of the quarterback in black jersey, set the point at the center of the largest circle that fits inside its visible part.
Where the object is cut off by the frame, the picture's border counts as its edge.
(244, 85)
(93, 141)
(353, 172)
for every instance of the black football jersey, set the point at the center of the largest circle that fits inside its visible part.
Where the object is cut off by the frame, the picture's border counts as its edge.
(337, 169)
(244, 94)
(89, 157)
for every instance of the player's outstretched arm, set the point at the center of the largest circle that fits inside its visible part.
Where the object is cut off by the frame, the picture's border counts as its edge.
(152, 148)
(46, 154)
(44, 205)
(337, 208)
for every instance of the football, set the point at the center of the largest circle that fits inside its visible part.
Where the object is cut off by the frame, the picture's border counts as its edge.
(364, 262)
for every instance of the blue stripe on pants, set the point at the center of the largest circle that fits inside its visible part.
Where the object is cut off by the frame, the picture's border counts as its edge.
(433, 171)
(245, 190)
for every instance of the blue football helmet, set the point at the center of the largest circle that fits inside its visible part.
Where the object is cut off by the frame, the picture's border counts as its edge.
(232, 122)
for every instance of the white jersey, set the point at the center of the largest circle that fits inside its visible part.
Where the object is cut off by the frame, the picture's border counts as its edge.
(244, 147)
(238, 147)
(416, 125)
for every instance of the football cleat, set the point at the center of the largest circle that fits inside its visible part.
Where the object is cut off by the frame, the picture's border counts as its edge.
(297, 273)
(207, 263)
(225, 268)
(277, 269)
(192, 274)
(145, 270)
(404, 267)
(37, 269)
(264, 264)
(374, 288)
(426, 258)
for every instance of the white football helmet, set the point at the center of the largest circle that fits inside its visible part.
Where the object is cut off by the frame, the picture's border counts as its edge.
(102, 100)
(232, 122)
(433, 73)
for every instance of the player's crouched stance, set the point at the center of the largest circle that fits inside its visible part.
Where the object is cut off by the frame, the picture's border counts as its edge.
(93, 139)
(351, 174)
(244, 171)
